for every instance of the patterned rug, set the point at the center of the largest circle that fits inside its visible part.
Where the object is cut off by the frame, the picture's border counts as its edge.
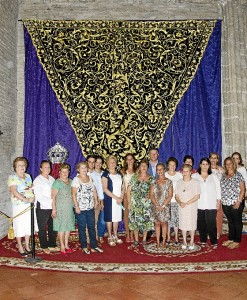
(125, 259)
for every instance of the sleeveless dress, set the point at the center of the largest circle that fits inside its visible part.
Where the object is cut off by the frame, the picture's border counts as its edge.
(112, 211)
(160, 195)
(140, 211)
(65, 220)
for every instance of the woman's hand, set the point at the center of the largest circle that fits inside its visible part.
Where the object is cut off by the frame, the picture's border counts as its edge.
(54, 214)
(182, 204)
(77, 210)
(160, 208)
(101, 203)
(237, 204)
(119, 200)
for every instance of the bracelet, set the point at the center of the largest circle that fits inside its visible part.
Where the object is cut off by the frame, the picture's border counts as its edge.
(54, 210)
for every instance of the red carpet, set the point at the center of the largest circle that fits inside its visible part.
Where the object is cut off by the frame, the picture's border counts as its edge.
(121, 255)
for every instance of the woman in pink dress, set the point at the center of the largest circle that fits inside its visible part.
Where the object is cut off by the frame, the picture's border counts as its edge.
(186, 194)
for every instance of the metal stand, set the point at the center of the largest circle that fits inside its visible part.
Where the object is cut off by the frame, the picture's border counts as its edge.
(33, 259)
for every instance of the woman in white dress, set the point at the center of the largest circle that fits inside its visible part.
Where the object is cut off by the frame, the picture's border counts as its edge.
(187, 193)
(20, 187)
(218, 171)
(128, 170)
(113, 187)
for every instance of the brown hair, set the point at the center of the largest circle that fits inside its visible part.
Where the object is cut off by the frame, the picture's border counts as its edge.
(64, 166)
(240, 158)
(233, 162)
(125, 165)
(143, 161)
(17, 159)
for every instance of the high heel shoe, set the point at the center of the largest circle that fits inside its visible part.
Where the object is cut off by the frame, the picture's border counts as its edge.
(28, 251)
(63, 253)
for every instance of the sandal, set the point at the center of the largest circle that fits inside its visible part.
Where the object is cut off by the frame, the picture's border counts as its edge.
(233, 245)
(101, 240)
(227, 243)
(97, 249)
(111, 242)
(47, 250)
(144, 243)
(117, 240)
(135, 244)
(86, 250)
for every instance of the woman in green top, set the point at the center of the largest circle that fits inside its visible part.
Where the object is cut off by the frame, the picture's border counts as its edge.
(62, 208)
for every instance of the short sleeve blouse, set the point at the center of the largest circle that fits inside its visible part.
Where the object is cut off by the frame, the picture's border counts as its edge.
(230, 188)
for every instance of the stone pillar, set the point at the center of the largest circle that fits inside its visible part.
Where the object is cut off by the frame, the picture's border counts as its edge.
(234, 77)
(8, 111)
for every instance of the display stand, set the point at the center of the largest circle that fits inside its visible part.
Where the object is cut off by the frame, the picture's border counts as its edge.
(32, 259)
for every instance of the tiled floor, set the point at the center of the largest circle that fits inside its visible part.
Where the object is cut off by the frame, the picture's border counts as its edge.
(32, 284)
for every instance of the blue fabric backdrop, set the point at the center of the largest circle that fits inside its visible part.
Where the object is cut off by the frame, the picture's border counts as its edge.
(195, 128)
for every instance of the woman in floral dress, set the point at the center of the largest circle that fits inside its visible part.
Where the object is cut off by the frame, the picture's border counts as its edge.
(62, 208)
(139, 203)
(161, 192)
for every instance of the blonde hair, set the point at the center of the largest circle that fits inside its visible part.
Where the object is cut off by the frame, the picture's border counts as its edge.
(110, 157)
(81, 163)
(17, 159)
(186, 166)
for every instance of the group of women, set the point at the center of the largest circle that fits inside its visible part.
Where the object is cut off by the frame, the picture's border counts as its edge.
(172, 200)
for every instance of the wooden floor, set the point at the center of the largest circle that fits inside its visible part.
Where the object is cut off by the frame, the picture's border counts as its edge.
(32, 284)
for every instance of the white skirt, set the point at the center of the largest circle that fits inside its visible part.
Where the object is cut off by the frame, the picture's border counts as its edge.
(22, 223)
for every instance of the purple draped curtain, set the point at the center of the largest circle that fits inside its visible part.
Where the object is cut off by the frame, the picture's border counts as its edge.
(195, 128)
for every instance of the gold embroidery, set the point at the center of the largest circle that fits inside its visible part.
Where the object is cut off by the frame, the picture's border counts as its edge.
(119, 82)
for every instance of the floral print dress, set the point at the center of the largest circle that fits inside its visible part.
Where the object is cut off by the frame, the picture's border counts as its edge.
(140, 205)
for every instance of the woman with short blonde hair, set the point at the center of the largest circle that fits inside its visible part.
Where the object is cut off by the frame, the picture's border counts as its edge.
(20, 187)
(113, 187)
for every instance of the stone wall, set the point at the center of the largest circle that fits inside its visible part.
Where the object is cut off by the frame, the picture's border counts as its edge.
(8, 108)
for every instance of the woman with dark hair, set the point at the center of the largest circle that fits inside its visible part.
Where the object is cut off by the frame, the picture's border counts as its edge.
(101, 222)
(218, 171)
(240, 166)
(208, 202)
(42, 190)
(62, 208)
(20, 187)
(161, 192)
(139, 204)
(172, 164)
(189, 160)
(128, 170)
(187, 193)
(232, 194)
